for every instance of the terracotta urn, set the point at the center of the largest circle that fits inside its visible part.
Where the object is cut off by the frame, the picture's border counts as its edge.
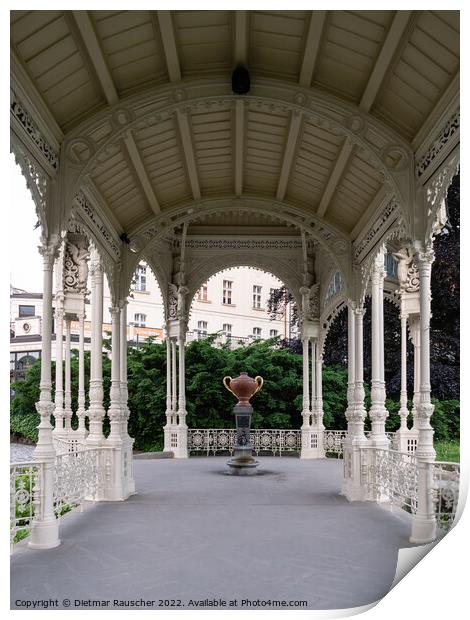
(243, 387)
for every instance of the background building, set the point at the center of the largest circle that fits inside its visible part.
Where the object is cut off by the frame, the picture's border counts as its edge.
(233, 303)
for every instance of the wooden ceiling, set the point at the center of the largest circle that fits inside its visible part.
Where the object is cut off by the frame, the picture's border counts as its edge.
(394, 65)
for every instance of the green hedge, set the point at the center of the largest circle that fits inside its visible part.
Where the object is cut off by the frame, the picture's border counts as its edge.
(209, 405)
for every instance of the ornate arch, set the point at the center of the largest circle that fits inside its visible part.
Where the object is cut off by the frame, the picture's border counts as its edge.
(211, 266)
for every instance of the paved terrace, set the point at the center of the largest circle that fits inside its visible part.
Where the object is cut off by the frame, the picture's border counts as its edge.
(194, 533)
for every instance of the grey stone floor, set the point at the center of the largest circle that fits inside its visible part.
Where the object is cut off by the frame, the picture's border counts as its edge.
(192, 532)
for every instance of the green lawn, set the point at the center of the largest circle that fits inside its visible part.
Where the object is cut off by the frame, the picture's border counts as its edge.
(447, 450)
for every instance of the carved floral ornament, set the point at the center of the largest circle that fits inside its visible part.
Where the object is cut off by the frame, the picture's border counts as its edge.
(76, 264)
(310, 302)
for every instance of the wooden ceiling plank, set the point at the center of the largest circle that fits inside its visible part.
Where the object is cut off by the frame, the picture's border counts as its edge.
(95, 196)
(141, 172)
(400, 24)
(239, 132)
(90, 39)
(289, 153)
(188, 150)
(365, 218)
(167, 33)
(446, 101)
(241, 38)
(312, 47)
(335, 177)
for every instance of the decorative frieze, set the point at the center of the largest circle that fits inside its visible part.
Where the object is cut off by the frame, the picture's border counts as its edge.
(451, 127)
(379, 226)
(241, 244)
(98, 224)
(21, 115)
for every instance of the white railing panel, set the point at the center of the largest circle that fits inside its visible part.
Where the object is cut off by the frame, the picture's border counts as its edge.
(446, 477)
(25, 497)
(76, 478)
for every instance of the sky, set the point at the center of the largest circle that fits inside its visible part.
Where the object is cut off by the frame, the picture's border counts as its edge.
(25, 260)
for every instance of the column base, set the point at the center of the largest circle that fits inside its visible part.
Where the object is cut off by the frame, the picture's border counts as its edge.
(45, 535)
(423, 530)
(353, 491)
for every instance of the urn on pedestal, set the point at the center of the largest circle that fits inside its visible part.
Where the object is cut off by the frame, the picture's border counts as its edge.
(243, 388)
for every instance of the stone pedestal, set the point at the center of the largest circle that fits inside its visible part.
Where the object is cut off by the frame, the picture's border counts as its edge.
(242, 462)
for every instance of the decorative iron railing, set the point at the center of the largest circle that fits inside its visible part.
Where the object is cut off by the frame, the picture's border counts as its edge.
(25, 497)
(391, 476)
(76, 478)
(446, 476)
(213, 440)
(273, 440)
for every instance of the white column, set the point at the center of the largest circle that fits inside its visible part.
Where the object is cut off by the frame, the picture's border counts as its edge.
(59, 371)
(68, 380)
(123, 368)
(351, 365)
(314, 395)
(168, 412)
(424, 521)
(182, 451)
(45, 527)
(416, 330)
(319, 387)
(403, 412)
(174, 402)
(81, 411)
(114, 411)
(305, 386)
(359, 394)
(378, 413)
(96, 410)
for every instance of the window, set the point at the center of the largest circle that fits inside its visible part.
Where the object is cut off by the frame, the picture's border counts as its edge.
(334, 287)
(256, 296)
(257, 332)
(201, 329)
(21, 362)
(202, 293)
(390, 265)
(26, 311)
(227, 292)
(227, 329)
(140, 278)
(140, 319)
(273, 333)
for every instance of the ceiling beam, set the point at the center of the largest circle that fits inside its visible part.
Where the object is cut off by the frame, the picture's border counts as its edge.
(375, 203)
(335, 177)
(312, 46)
(240, 53)
(289, 153)
(167, 33)
(400, 24)
(239, 133)
(188, 150)
(88, 34)
(141, 172)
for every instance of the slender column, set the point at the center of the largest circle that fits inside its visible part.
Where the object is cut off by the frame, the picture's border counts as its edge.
(174, 405)
(314, 412)
(424, 521)
(416, 329)
(403, 412)
(59, 370)
(378, 412)
(114, 411)
(81, 411)
(68, 380)
(123, 367)
(45, 528)
(96, 411)
(305, 383)
(168, 412)
(319, 388)
(351, 364)
(181, 384)
(359, 394)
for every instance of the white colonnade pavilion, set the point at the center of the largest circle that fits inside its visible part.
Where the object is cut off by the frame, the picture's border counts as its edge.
(136, 146)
